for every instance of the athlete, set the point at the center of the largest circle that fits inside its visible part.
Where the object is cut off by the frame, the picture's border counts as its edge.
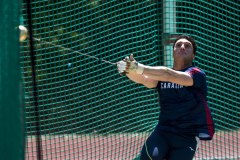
(184, 113)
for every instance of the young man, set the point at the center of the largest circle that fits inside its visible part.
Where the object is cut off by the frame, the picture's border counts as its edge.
(184, 114)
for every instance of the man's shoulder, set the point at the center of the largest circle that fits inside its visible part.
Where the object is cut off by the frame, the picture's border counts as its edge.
(194, 70)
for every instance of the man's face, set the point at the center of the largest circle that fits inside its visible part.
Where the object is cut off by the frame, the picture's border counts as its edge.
(183, 49)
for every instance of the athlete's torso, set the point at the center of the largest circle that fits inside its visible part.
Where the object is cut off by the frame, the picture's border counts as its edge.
(185, 109)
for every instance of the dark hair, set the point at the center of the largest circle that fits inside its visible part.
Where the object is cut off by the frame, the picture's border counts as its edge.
(189, 38)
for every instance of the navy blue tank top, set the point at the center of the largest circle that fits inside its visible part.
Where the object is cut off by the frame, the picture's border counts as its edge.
(184, 109)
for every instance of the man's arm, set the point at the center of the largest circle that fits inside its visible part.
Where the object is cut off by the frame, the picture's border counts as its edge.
(158, 73)
(142, 79)
(149, 76)
(166, 74)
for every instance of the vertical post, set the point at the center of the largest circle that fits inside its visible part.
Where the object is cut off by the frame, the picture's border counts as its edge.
(11, 101)
(169, 28)
(35, 91)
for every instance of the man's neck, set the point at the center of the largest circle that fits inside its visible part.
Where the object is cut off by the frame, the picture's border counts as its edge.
(181, 65)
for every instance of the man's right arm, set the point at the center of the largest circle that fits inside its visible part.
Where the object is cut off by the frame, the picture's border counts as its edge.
(141, 79)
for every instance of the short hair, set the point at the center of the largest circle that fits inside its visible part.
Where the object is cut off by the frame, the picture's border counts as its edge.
(190, 39)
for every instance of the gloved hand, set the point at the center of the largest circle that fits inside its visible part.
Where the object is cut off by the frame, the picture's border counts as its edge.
(121, 66)
(133, 65)
(129, 64)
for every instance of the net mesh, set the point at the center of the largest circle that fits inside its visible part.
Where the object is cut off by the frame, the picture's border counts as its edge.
(86, 110)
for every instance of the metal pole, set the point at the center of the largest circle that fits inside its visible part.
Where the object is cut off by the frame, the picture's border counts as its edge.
(11, 95)
(169, 28)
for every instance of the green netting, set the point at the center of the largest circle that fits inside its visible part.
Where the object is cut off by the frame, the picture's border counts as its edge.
(86, 110)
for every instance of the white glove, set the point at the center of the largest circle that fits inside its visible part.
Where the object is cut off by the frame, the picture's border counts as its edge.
(130, 65)
(121, 66)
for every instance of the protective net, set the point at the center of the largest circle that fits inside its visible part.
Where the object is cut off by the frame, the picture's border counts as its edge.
(79, 107)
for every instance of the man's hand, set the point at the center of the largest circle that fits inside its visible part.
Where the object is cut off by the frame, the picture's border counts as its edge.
(133, 65)
(121, 66)
(129, 64)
